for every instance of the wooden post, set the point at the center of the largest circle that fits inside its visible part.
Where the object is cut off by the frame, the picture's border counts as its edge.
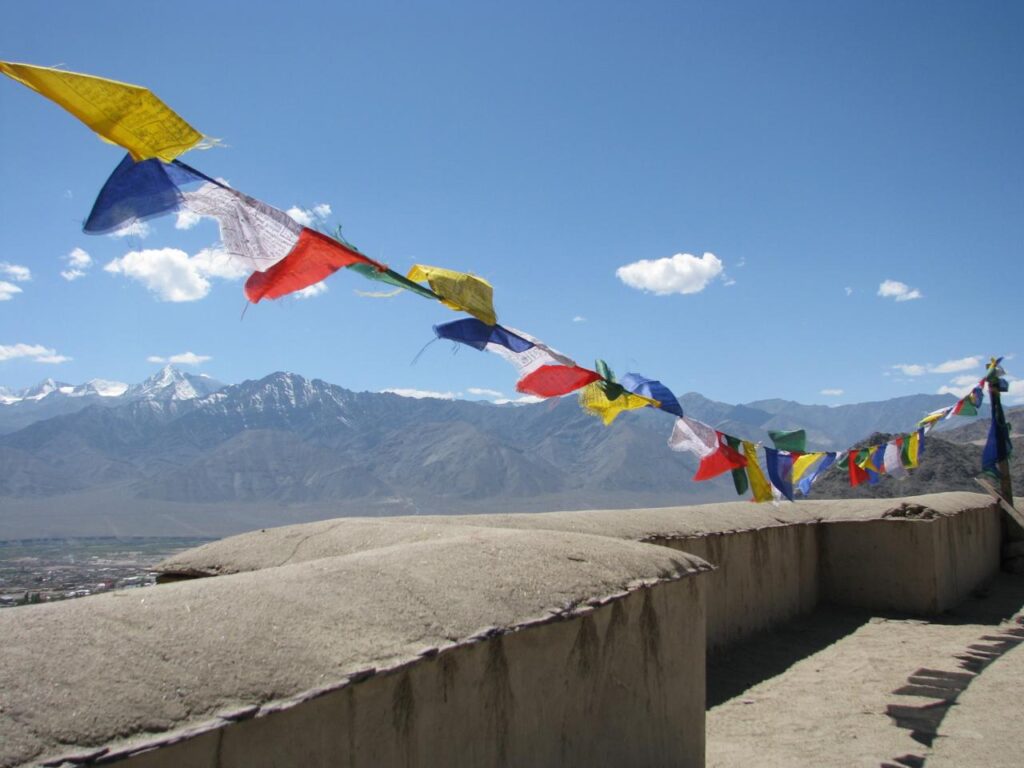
(1013, 526)
(1005, 483)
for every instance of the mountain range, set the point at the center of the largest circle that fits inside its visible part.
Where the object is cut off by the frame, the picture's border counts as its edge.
(49, 398)
(181, 453)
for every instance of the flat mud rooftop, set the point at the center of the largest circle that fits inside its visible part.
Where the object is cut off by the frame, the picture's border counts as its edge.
(848, 688)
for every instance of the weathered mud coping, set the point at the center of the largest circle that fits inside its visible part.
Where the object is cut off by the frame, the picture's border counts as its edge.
(482, 647)
(920, 554)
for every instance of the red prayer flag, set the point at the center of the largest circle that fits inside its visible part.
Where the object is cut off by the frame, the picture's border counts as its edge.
(725, 459)
(313, 258)
(857, 475)
(555, 380)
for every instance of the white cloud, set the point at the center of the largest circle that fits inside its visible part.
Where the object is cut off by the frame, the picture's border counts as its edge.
(848, 290)
(955, 366)
(911, 369)
(959, 385)
(303, 217)
(1015, 395)
(894, 289)
(214, 262)
(7, 290)
(683, 273)
(727, 281)
(310, 291)
(741, 263)
(965, 381)
(34, 352)
(186, 219)
(307, 217)
(138, 229)
(420, 394)
(172, 275)
(949, 366)
(16, 272)
(79, 261)
(185, 358)
(524, 400)
(832, 392)
(167, 272)
(481, 392)
(579, 319)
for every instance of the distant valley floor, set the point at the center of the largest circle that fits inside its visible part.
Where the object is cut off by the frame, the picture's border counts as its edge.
(106, 512)
(44, 570)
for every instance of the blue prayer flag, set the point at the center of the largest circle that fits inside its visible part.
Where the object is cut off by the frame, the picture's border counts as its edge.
(877, 460)
(138, 191)
(477, 334)
(780, 470)
(998, 446)
(653, 389)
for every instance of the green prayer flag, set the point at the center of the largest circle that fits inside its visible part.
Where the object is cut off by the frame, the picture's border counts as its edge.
(967, 408)
(392, 278)
(607, 383)
(739, 475)
(791, 440)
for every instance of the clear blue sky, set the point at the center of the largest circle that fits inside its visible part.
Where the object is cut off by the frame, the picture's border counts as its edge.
(816, 149)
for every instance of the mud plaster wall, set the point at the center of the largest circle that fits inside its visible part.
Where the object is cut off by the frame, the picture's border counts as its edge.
(621, 685)
(916, 566)
(967, 553)
(763, 578)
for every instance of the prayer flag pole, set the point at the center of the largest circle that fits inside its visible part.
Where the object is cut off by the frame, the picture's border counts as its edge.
(994, 392)
(998, 435)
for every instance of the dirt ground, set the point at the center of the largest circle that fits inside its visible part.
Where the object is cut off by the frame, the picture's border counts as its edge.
(844, 688)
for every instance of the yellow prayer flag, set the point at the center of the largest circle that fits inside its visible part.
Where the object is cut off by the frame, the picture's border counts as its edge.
(759, 484)
(458, 290)
(913, 449)
(593, 399)
(934, 416)
(868, 462)
(804, 463)
(120, 113)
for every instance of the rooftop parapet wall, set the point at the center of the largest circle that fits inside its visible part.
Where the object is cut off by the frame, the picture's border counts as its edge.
(775, 562)
(622, 684)
(764, 578)
(919, 566)
(368, 658)
(272, 547)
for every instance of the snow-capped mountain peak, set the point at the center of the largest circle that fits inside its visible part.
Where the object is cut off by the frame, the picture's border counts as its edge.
(166, 378)
(44, 388)
(51, 397)
(100, 388)
(171, 384)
